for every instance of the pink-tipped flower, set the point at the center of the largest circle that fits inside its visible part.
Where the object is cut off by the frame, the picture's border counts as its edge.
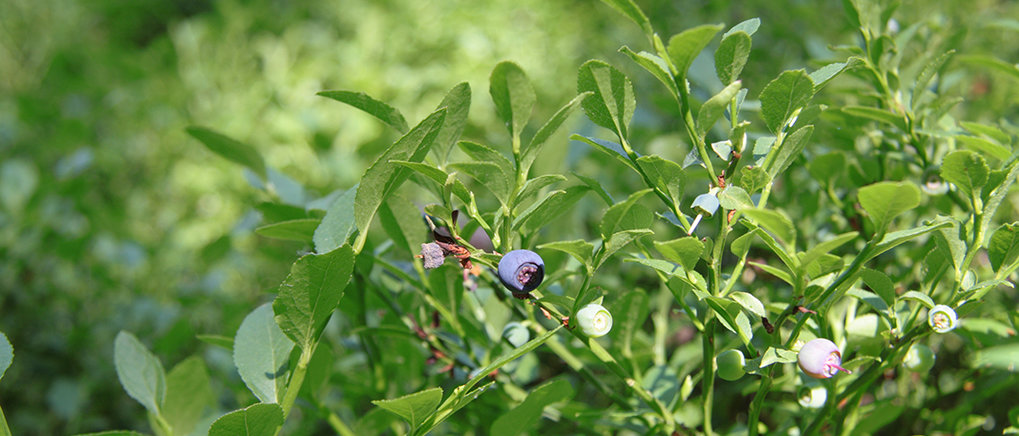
(821, 358)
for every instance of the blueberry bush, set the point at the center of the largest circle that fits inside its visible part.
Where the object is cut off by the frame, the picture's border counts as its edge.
(682, 242)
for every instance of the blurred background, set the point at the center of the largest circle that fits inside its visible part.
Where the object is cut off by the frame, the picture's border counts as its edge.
(112, 218)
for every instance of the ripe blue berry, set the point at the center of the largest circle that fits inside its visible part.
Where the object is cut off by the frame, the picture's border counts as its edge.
(821, 358)
(521, 271)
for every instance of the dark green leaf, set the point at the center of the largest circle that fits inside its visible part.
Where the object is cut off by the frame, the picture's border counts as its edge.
(523, 418)
(308, 296)
(580, 249)
(626, 215)
(384, 176)
(6, 354)
(880, 284)
(713, 109)
(883, 201)
(825, 74)
(533, 186)
(140, 372)
(611, 102)
(731, 56)
(457, 103)
(378, 109)
(256, 420)
(438, 176)
(188, 393)
(512, 94)
(791, 148)
(261, 354)
(665, 174)
(686, 45)
(617, 242)
(337, 225)
(684, 251)
(549, 208)
(485, 154)
(301, 230)
(781, 97)
(826, 246)
(231, 149)
(414, 408)
(827, 168)
(894, 239)
(488, 174)
(1002, 249)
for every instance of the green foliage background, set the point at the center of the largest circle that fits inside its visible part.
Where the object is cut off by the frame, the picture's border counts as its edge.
(112, 218)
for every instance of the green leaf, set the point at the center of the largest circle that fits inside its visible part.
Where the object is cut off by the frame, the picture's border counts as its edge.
(774, 222)
(654, 65)
(458, 104)
(229, 148)
(741, 245)
(781, 97)
(749, 27)
(894, 239)
(551, 207)
(925, 76)
(414, 408)
(378, 109)
(777, 355)
(965, 169)
(580, 249)
(224, 342)
(883, 201)
(826, 247)
(686, 45)
(876, 114)
(626, 215)
(337, 225)
(713, 109)
(827, 168)
(490, 175)
(825, 74)
(384, 176)
(617, 242)
(611, 102)
(523, 418)
(438, 176)
(732, 317)
(610, 148)
(982, 145)
(533, 186)
(988, 131)
(731, 56)
(734, 198)
(6, 354)
(512, 94)
(140, 372)
(779, 272)
(684, 251)
(753, 179)
(1002, 249)
(262, 354)
(750, 303)
(308, 296)
(633, 12)
(188, 393)
(113, 433)
(664, 174)
(921, 298)
(256, 420)
(301, 230)
(791, 148)
(530, 152)
(997, 194)
(880, 284)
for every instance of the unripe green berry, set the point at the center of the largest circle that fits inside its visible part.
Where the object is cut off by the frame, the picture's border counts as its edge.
(942, 319)
(594, 320)
(812, 397)
(731, 364)
(919, 358)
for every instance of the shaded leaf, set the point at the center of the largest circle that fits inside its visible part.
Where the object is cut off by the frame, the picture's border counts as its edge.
(790, 91)
(512, 94)
(713, 109)
(6, 354)
(260, 419)
(301, 230)
(229, 148)
(188, 394)
(549, 208)
(654, 65)
(633, 12)
(310, 292)
(376, 108)
(626, 215)
(611, 102)
(731, 56)
(774, 222)
(684, 251)
(140, 372)
(458, 104)
(750, 303)
(338, 224)
(686, 45)
(791, 148)
(530, 152)
(664, 174)
(523, 418)
(580, 249)
(1002, 249)
(262, 354)
(883, 201)
(414, 408)
(610, 148)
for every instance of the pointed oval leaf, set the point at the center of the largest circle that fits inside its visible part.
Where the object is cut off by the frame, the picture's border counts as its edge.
(790, 91)
(458, 104)
(530, 152)
(626, 215)
(188, 393)
(665, 174)
(1002, 249)
(774, 222)
(825, 74)
(731, 56)
(750, 303)
(522, 418)
(256, 420)
(512, 94)
(686, 45)
(633, 12)
(139, 371)
(414, 408)
(313, 289)
(579, 249)
(6, 354)
(883, 201)
(301, 230)
(965, 169)
(610, 148)
(229, 148)
(749, 27)
(713, 109)
(337, 225)
(735, 198)
(376, 108)
(262, 353)
(654, 65)
(684, 251)
(384, 176)
(612, 102)
(549, 208)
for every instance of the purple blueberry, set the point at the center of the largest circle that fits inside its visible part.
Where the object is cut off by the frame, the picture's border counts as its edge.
(521, 271)
(821, 358)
